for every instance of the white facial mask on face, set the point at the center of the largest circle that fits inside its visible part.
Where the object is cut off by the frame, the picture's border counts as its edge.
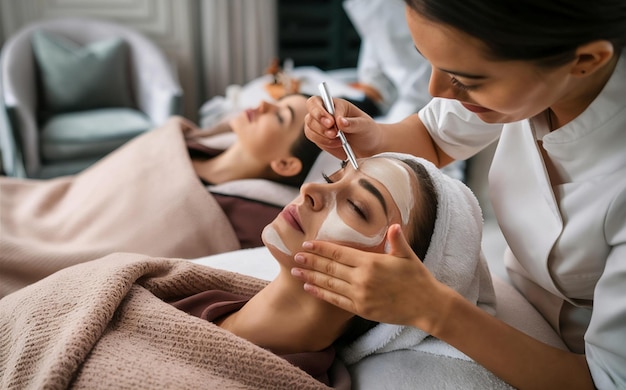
(392, 175)
(335, 229)
(270, 237)
(396, 179)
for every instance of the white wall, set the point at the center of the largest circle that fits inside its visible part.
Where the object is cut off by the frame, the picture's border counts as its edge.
(211, 43)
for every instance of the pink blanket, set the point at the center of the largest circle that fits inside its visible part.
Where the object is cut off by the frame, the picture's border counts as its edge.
(144, 198)
(104, 325)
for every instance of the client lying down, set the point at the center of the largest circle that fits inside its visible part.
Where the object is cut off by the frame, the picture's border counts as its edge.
(147, 196)
(355, 208)
(119, 318)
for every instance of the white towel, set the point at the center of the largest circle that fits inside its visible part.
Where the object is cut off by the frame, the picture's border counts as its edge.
(454, 257)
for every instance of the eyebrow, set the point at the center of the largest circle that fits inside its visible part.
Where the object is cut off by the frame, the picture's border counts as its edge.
(455, 72)
(374, 191)
(463, 74)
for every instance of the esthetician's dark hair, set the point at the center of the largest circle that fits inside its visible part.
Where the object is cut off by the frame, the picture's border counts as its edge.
(544, 31)
(305, 150)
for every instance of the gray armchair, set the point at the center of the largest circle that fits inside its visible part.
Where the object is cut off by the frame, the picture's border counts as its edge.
(47, 128)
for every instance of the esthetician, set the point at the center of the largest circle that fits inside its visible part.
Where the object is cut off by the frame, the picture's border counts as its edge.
(547, 80)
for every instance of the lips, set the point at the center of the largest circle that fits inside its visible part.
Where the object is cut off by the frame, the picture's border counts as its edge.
(290, 214)
(474, 108)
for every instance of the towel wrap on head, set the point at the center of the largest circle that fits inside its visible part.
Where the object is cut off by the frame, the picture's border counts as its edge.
(454, 257)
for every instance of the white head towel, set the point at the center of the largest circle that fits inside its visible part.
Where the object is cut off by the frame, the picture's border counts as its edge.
(454, 257)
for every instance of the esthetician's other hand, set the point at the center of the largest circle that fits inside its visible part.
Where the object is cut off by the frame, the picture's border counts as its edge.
(362, 132)
(392, 287)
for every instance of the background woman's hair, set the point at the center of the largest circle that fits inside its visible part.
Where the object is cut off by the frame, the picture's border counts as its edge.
(545, 31)
(306, 151)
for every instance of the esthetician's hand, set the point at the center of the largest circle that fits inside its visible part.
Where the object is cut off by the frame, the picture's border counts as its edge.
(394, 287)
(362, 132)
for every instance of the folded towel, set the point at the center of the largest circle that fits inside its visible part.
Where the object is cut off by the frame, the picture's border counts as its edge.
(454, 257)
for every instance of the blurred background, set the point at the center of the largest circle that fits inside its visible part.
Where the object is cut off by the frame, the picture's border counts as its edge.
(214, 43)
(211, 44)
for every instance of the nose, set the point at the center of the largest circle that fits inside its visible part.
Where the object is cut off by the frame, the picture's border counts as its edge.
(314, 195)
(265, 106)
(440, 85)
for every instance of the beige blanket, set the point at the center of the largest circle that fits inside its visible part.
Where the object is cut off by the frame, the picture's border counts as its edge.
(104, 324)
(143, 198)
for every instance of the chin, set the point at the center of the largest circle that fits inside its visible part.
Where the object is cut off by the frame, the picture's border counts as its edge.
(273, 240)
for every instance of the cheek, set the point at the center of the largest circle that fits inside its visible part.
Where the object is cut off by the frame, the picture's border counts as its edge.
(334, 228)
(260, 141)
(519, 98)
(270, 134)
(239, 122)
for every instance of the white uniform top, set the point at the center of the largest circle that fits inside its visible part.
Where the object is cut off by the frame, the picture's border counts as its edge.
(566, 243)
(388, 60)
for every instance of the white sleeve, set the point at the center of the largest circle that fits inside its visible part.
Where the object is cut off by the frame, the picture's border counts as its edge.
(370, 71)
(605, 339)
(457, 131)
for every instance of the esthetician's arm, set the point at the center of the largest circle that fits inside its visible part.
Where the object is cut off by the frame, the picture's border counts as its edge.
(366, 136)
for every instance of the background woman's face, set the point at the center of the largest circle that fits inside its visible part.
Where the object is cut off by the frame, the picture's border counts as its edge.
(268, 131)
(354, 208)
(496, 91)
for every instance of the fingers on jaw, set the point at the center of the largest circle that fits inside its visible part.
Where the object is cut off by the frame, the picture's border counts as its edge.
(330, 268)
(330, 297)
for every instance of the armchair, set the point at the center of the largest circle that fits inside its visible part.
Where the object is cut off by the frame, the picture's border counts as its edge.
(117, 84)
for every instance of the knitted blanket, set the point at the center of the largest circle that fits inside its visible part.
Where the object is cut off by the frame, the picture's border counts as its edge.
(106, 324)
(144, 198)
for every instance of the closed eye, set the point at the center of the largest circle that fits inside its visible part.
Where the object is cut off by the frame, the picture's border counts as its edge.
(357, 209)
(353, 205)
(456, 83)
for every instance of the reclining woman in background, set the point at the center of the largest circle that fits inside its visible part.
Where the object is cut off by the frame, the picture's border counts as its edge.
(270, 144)
(395, 204)
(146, 197)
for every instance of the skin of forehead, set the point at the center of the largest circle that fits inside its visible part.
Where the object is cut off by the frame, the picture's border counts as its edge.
(395, 177)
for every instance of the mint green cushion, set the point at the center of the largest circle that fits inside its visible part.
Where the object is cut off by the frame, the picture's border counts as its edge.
(92, 133)
(77, 78)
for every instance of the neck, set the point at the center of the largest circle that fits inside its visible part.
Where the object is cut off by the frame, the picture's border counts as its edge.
(232, 164)
(581, 96)
(285, 319)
